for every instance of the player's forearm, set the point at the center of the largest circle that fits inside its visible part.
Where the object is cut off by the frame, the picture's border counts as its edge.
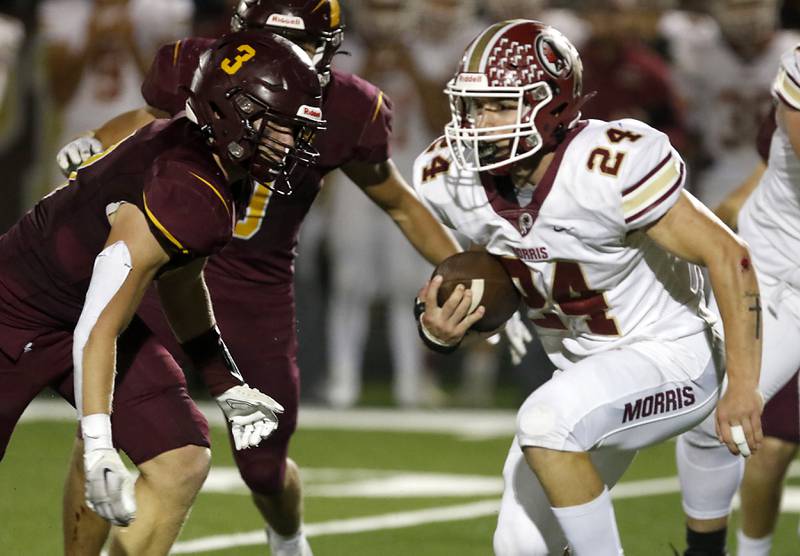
(118, 128)
(186, 303)
(735, 286)
(99, 367)
(432, 240)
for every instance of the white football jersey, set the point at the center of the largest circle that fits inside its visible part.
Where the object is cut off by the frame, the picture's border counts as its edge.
(591, 280)
(727, 98)
(770, 219)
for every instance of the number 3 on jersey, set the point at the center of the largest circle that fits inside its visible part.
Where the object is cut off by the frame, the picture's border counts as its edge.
(249, 224)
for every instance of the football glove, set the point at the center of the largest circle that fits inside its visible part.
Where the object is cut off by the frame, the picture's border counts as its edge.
(252, 415)
(518, 336)
(109, 486)
(76, 152)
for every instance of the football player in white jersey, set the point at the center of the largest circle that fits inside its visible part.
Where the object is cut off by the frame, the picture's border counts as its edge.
(725, 71)
(590, 220)
(770, 222)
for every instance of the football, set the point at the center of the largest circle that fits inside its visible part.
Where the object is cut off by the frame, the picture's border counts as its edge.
(491, 286)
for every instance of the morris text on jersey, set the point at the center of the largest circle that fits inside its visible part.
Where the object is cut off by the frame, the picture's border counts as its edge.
(531, 253)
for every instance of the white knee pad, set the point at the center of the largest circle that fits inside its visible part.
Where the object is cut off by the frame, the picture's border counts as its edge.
(709, 475)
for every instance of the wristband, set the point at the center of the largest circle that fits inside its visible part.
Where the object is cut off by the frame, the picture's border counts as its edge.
(96, 432)
(210, 357)
(432, 342)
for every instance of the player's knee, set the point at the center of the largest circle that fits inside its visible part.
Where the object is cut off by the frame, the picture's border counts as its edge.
(538, 424)
(264, 473)
(181, 470)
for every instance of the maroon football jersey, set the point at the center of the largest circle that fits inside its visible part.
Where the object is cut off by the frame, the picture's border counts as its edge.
(358, 129)
(46, 260)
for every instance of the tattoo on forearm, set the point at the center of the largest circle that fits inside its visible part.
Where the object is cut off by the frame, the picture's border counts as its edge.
(756, 307)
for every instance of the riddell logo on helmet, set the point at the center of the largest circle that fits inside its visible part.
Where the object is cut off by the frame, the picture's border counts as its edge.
(288, 21)
(310, 112)
(472, 81)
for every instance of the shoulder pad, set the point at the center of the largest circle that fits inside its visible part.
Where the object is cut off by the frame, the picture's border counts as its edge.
(188, 209)
(786, 86)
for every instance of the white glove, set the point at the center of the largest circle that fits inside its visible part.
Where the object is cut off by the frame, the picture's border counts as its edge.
(109, 485)
(518, 335)
(76, 152)
(253, 415)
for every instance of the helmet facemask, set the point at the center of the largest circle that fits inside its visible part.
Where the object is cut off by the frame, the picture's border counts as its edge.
(481, 149)
(272, 145)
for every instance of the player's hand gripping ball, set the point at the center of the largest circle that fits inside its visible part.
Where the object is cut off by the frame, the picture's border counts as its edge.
(491, 286)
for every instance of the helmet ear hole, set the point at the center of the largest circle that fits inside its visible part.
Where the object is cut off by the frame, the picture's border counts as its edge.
(215, 111)
(559, 109)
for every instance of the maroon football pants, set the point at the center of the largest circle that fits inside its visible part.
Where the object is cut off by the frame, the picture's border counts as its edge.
(781, 417)
(152, 410)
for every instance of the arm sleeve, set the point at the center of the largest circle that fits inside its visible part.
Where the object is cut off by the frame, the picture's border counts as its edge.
(652, 179)
(187, 211)
(166, 84)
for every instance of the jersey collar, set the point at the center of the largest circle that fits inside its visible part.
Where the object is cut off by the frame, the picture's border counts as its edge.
(523, 218)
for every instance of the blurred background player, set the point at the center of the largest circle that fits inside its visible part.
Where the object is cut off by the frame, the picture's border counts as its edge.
(630, 78)
(724, 72)
(16, 127)
(565, 17)
(251, 284)
(97, 52)
(370, 259)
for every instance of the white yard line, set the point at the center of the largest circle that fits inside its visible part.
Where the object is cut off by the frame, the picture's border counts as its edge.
(460, 512)
(343, 526)
(461, 422)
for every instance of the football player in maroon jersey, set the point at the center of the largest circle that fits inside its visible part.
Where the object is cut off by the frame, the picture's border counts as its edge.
(251, 281)
(152, 207)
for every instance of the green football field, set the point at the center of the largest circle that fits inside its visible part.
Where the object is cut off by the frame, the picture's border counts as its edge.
(379, 482)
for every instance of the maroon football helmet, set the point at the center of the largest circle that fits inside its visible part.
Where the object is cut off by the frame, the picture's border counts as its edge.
(257, 97)
(315, 21)
(522, 60)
